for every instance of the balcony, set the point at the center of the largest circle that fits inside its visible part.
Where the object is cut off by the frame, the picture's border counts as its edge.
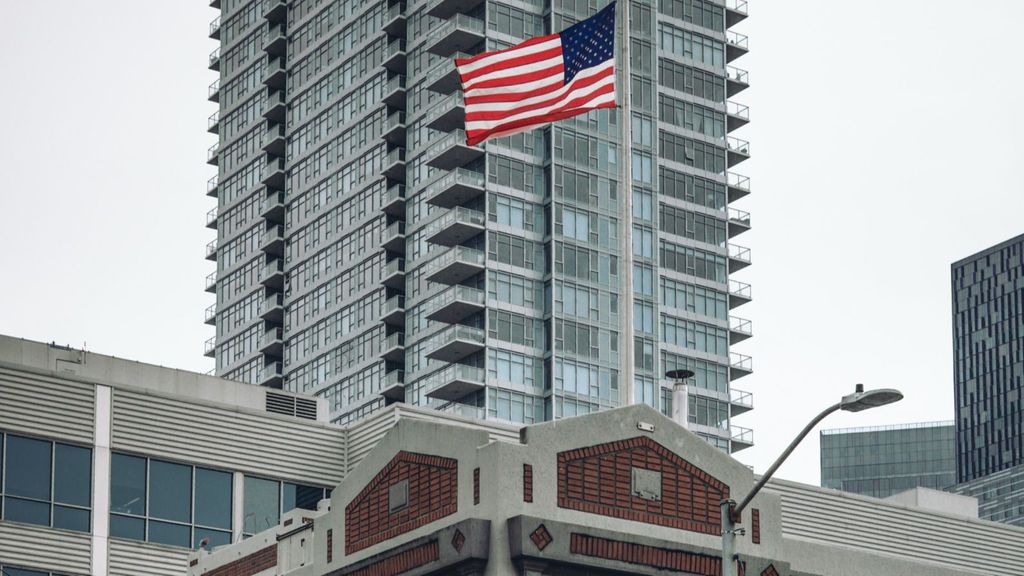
(273, 241)
(276, 40)
(273, 174)
(735, 45)
(271, 376)
(456, 265)
(272, 342)
(394, 348)
(394, 129)
(443, 78)
(394, 57)
(393, 311)
(740, 329)
(736, 115)
(739, 258)
(274, 141)
(454, 382)
(211, 154)
(213, 123)
(740, 365)
(274, 107)
(210, 316)
(735, 12)
(455, 304)
(393, 237)
(393, 387)
(458, 34)
(739, 186)
(394, 274)
(451, 152)
(457, 342)
(394, 201)
(739, 293)
(211, 282)
(273, 207)
(736, 150)
(273, 274)
(740, 402)
(394, 164)
(209, 347)
(211, 218)
(275, 74)
(456, 226)
(455, 188)
(215, 59)
(445, 8)
(394, 22)
(275, 10)
(448, 114)
(739, 222)
(394, 92)
(736, 80)
(742, 438)
(213, 93)
(211, 186)
(211, 250)
(273, 308)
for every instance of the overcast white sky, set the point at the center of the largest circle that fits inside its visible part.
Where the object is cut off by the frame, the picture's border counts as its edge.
(886, 140)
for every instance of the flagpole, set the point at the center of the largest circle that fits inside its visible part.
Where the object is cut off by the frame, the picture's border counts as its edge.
(626, 346)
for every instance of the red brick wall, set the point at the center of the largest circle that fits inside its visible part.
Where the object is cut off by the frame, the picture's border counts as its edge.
(433, 494)
(755, 526)
(527, 483)
(770, 571)
(660, 558)
(476, 486)
(248, 565)
(402, 562)
(330, 545)
(598, 480)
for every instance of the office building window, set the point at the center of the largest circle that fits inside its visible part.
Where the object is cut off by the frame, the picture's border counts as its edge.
(46, 483)
(266, 500)
(7, 570)
(169, 503)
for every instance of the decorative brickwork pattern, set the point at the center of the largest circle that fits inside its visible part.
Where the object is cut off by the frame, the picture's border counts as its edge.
(598, 480)
(660, 558)
(433, 494)
(755, 526)
(476, 486)
(330, 545)
(770, 571)
(527, 483)
(402, 562)
(458, 540)
(541, 537)
(248, 565)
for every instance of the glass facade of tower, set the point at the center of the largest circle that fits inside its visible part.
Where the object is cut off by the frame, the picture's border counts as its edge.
(885, 460)
(365, 253)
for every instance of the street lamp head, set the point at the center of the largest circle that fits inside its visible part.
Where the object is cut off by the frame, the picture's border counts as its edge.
(679, 374)
(861, 400)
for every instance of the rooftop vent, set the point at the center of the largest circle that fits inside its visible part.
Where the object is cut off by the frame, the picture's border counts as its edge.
(304, 408)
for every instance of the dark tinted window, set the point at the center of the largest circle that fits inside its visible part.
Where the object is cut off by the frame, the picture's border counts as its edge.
(213, 498)
(170, 491)
(72, 478)
(31, 477)
(128, 484)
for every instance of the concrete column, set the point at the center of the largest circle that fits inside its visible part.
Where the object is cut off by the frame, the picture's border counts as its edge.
(237, 506)
(101, 483)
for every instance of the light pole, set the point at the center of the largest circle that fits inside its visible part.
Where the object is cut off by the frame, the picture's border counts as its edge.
(731, 512)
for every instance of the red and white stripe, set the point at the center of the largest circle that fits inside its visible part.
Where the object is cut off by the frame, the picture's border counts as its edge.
(520, 88)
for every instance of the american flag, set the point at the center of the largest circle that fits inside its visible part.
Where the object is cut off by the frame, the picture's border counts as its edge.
(540, 80)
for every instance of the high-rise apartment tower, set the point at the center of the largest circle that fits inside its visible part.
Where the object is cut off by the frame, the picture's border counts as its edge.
(366, 254)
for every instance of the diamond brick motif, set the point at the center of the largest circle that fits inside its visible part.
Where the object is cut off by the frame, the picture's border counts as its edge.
(458, 540)
(541, 537)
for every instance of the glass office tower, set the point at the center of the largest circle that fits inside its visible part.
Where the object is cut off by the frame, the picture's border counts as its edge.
(885, 460)
(365, 253)
(988, 349)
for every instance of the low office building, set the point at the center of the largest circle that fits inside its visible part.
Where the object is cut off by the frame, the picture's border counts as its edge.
(884, 460)
(1000, 495)
(626, 491)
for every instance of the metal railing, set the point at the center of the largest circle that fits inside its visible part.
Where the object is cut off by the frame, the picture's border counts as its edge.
(450, 140)
(395, 83)
(736, 39)
(464, 410)
(273, 267)
(396, 11)
(394, 304)
(457, 293)
(458, 215)
(272, 370)
(458, 254)
(740, 253)
(396, 47)
(211, 216)
(394, 378)
(211, 280)
(460, 22)
(741, 361)
(738, 110)
(737, 74)
(211, 248)
(457, 176)
(741, 325)
(273, 234)
(740, 181)
(740, 289)
(395, 156)
(394, 193)
(394, 120)
(741, 434)
(394, 267)
(211, 152)
(394, 230)
(454, 372)
(210, 345)
(739, 216)
(271, 336)
(211, 312)
(460, 332)
(274, 199)
(736, 145)
(396, 340)
(741, 398)
(273, 301)
(443, 67)
(215, 25)
(215, 56)
(736, 6)
(214, 88)
(212, 121)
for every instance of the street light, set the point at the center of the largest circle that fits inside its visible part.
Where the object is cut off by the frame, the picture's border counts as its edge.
(731, 512)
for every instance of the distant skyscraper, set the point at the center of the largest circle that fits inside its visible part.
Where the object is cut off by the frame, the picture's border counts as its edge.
(885, 460)
(988, 348)
(366, 254)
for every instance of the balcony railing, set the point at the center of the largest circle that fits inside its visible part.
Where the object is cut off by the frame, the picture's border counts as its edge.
(394, 200)
(443, 78)
(741, 111)
(394, 347)
(741, 398)
(394, 92)
(458, 33)
(741, 362)
(394, 22)
(395, 57)
(455, 187)
(215, 28)
(211, 186)
(211, 250)
(210, 316)
(215, 59)
(455, 304)
(736, 145)
(454, 382)
(394, 274)
(456, 226)
(451, 151)
(742, 435)
(393, 387)
(271, 375)
(273, 273)
(455, 265)
(455, 343)
(393, 310)
(740, 253)
(210, 346)
(736, 39)
(211, 282)
(740, 328)
(211, 153)
(738, 181)
(736, 6)
(213, 93)
(740, 289)
(211, 218)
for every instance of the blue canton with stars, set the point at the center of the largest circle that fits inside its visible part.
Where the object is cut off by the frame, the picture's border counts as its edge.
(588, 43)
